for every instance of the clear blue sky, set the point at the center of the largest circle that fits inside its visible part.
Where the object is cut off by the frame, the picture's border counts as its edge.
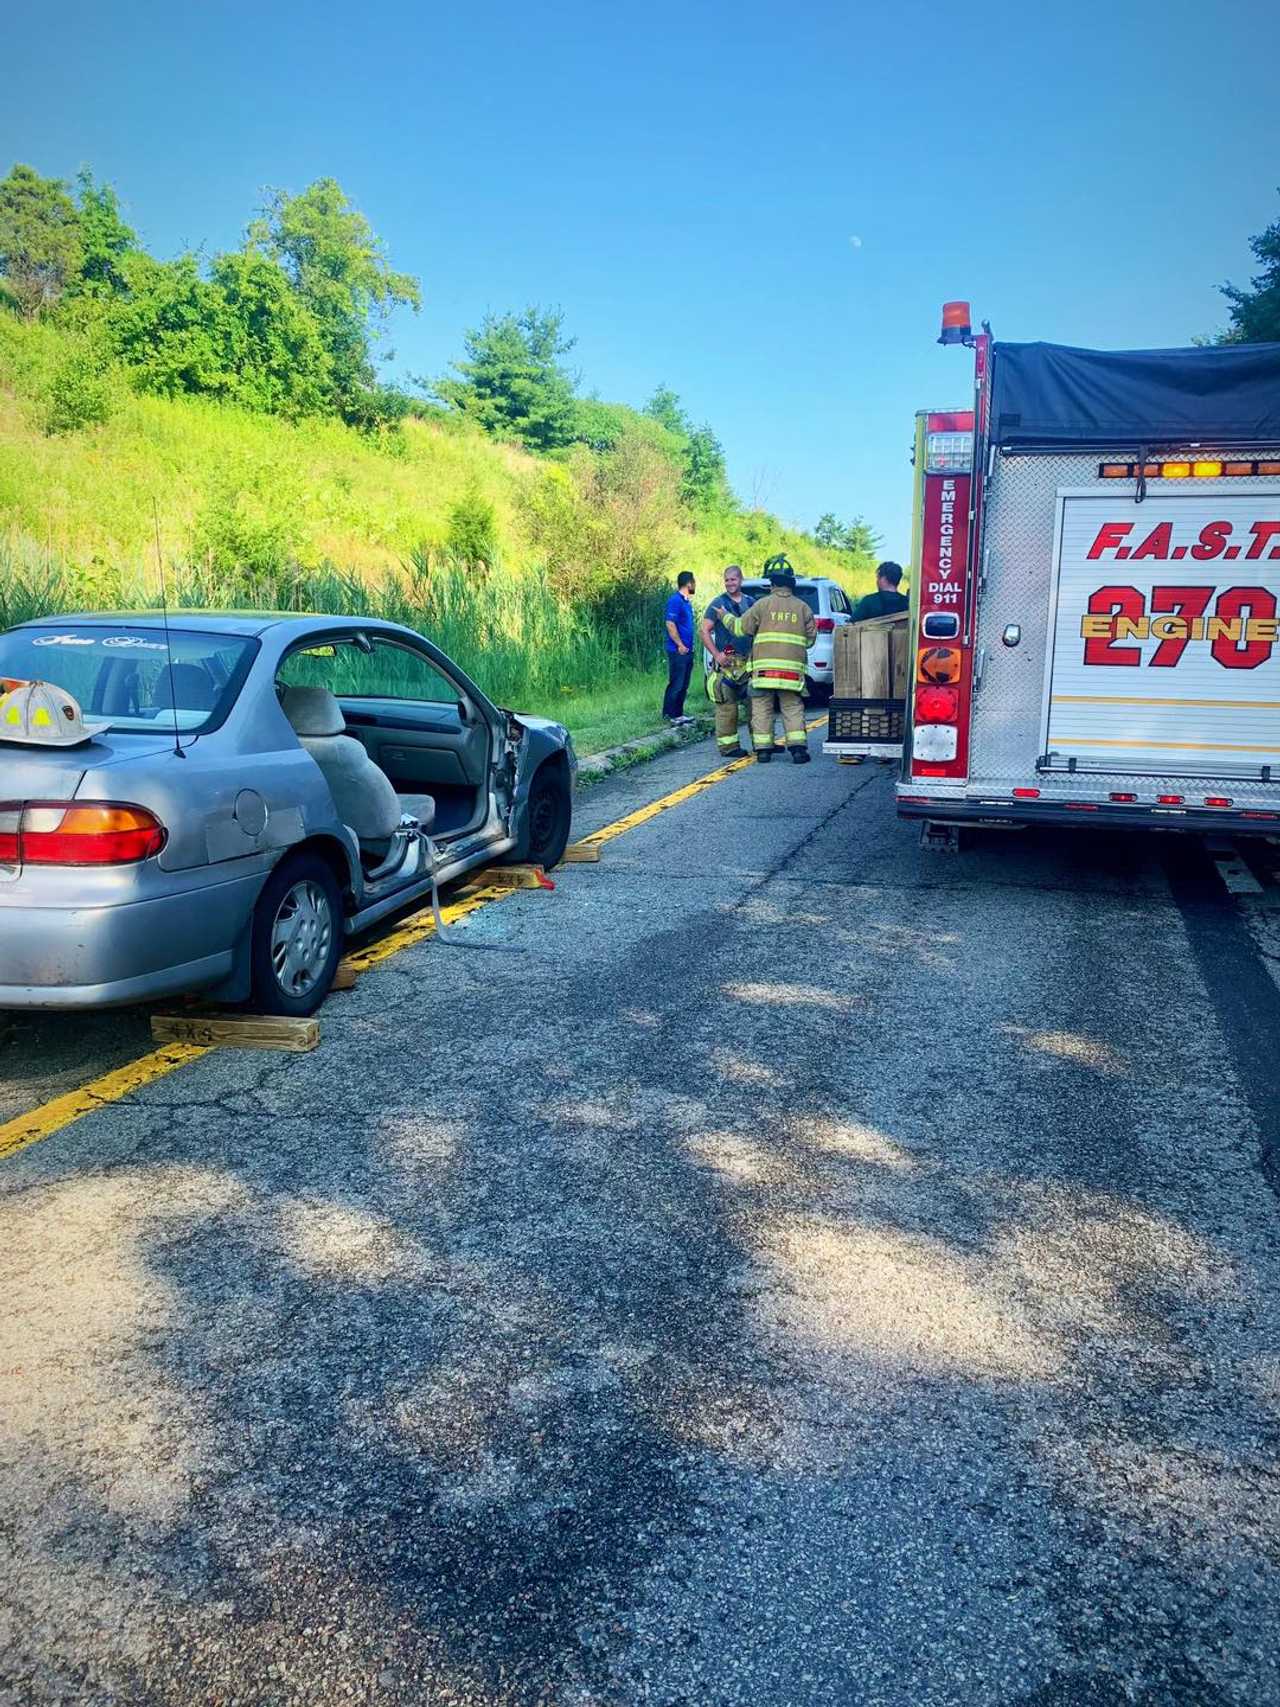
(760, 204)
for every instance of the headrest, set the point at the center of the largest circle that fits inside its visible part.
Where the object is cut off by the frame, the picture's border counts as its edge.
(313, 711)
(193, 688)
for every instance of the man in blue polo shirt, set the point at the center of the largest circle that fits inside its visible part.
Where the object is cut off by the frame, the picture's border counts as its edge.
(678, 621)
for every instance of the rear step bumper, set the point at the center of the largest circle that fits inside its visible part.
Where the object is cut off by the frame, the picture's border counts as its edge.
(1198, 820)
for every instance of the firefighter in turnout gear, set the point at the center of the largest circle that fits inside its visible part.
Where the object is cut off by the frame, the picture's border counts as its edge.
(781, 630)
(729, 678)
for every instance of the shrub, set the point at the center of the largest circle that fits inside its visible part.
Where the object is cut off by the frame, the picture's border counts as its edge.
(246, 527)
(608, 527)
(473, 530)
(80, 393)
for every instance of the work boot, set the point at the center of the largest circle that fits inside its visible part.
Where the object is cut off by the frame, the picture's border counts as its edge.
(764, 755)
(799, 755)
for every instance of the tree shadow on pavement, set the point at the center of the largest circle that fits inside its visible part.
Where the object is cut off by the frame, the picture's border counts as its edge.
(562, 1359)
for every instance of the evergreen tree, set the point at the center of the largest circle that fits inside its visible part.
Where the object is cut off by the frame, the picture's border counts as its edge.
(511, 381)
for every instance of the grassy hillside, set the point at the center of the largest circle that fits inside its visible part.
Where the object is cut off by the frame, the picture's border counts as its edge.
(316, 516)
(333, 495)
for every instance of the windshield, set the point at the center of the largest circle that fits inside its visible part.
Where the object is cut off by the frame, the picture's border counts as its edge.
(806, 591)
(122, 674)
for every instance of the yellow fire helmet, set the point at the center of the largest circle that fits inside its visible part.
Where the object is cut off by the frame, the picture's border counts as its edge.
(38, 714)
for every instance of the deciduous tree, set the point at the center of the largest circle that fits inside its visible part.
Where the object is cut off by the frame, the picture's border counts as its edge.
(105, 240)
(1255, 313)
(40, 240)
(339, 269)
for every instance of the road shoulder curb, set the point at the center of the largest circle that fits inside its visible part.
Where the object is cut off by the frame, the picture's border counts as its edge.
(596, 766)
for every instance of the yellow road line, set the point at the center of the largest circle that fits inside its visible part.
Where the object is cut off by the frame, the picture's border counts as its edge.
(62, 1111)
(690, 791)
(52, 1116)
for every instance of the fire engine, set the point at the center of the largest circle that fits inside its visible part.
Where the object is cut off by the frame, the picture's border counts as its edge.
(1095, 588)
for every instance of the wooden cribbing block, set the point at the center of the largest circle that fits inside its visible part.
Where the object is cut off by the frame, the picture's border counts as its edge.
(237, 1031)
(581, 853)
(346, 977)
(518, 877)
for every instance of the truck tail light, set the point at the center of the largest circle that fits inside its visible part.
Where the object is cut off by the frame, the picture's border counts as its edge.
(1169, 800)
(1026, 794)
(825, 624)
(59, 832)
(1217, 800)
(937, 705)
(1123, 799)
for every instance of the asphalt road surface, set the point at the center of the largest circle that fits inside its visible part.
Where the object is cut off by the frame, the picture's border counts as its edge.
(783, 1266)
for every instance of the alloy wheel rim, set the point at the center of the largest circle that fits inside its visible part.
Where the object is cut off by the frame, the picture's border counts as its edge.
(301, 938)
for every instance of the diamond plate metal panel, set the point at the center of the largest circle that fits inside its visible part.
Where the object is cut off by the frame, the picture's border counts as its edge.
(1018, 543)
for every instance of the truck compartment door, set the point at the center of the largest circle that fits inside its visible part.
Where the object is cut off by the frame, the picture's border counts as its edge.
(1164, 654)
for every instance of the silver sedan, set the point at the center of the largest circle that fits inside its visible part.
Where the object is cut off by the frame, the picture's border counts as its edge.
(251, 789)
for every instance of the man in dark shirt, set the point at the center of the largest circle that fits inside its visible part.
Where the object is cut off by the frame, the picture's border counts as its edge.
(678, 622)
(886, 599)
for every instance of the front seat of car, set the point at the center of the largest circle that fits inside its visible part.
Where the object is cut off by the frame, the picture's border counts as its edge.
(366, 802)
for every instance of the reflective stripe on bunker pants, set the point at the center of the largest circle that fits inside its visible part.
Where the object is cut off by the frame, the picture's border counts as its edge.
(764, 703)
(728, 691)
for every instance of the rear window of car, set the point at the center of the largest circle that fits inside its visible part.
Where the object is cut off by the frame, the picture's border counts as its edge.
(131, 677)
(804, 590)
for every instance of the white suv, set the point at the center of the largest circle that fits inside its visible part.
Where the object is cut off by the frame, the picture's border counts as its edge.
(831, 606)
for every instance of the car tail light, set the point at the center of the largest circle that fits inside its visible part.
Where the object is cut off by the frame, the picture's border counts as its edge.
(58, 832)
(826, 624)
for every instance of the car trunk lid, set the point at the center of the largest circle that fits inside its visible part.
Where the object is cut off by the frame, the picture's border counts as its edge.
(55, 773)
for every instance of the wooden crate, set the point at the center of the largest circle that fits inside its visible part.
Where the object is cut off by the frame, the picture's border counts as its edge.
(872, 659)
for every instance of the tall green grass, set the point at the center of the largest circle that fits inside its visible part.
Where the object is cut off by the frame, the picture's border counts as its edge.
(521, 643)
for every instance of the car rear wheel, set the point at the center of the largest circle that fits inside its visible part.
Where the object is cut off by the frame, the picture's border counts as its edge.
(550, 816)
(297, 938)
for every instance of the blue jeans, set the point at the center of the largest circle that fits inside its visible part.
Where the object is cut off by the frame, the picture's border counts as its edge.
(679, 668)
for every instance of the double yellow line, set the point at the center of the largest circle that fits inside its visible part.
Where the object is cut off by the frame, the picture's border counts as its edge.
(123, 1081)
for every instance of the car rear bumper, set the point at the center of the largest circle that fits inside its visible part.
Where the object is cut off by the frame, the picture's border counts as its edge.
(106, 956)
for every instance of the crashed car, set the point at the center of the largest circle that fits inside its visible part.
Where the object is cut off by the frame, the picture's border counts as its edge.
(215, 802)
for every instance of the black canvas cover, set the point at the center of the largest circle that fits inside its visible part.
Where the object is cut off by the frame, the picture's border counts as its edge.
(1052, 396)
